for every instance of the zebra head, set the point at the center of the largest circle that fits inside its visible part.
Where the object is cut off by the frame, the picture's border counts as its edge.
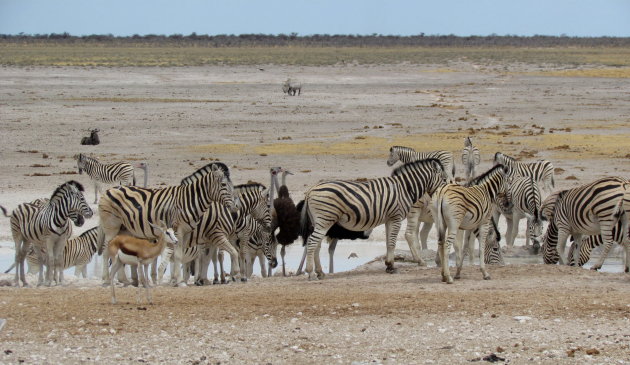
(69, 197)
(394, 155)
(269, 243)
(468, 142)
(254, 200)
(80, 162)
(222, 190)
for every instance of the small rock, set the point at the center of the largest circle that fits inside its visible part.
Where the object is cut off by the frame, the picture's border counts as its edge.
(522, 319)
(592, 352)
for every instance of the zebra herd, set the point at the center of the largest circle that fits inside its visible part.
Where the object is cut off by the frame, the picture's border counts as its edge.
(211, 216)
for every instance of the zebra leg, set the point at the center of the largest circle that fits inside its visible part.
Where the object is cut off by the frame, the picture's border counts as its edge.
(481, 237)
(154, 264)
(95, 192)
(299, 269)
(204, 264)
(411, 233)
(578, 248)
(562, 242)
(261, 261)
(51, 264)
(145, 280)
(220, 259)
(450, 238)
(608, 243)
(312, 245)
(20, 256)
(332, 244)
(392, 228)
(59, 264)
(424, 234)
(512, 229)
(235, 270)
(318, 263)
(459, 252)
(177, 263)
(215, 261)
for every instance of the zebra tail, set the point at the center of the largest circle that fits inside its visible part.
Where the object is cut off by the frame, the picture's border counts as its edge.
(305, 223)
(100, 240)
(439, 221)
(4, 211)
(133, 178)
(10, 268)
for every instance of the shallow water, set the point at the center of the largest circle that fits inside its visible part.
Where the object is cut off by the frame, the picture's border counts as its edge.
(365, 251)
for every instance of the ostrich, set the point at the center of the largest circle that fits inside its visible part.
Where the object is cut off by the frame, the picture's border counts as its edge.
(284, 214)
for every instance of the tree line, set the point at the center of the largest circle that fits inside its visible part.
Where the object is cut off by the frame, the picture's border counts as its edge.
(321, 40)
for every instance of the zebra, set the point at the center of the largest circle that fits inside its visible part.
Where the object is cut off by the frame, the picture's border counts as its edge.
(591, 209)
(77, 253)
(408, 154)
(590, 242)
(114, 173)
(181, 205)
(470, 158)
(492, 251)
(363, 205)
(47, 224)
(218, 225)
(541, 171)
(523, 201)
(455, 208)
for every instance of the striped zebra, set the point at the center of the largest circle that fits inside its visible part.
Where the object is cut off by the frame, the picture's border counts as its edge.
(541, 171)
(591, 209)
(524, 200)
(363, 205)
(470, 158)
(455, 207)
(77, 253)
(219, 226)
(590, 242)
(492, 251)
(408, 154)
(47, 224)
(133, 208)
(114, 173)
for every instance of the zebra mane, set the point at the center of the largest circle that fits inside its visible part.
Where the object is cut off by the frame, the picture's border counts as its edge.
(411, 165)
(509, 158)
(250, 186)
(204, 170)
(481, 178)
(74, 183)
(402, 148)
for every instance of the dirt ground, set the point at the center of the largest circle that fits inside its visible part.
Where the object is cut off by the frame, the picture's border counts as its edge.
(178, 119)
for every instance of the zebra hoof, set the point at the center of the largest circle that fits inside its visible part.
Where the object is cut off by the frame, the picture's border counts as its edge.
(595, 268)
(422, 263)
(391, 270)
(449, 280)
(181, 285)
(215, 281)
(457, 277)
(486, 277)
(244, 280)
(313, 277)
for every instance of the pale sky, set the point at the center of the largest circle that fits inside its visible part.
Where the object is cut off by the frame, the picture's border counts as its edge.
(307, 17)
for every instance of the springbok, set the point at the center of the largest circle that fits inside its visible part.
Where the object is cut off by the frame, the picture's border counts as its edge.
(128, 250)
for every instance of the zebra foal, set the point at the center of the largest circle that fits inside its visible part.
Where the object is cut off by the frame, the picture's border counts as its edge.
(114, 173)
(456, 208)
(47, 224)
(364, 205)
(591, 209)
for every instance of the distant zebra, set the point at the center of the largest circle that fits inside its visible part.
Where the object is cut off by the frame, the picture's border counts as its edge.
(47, 225)
(114, 173)
(408, 154)
(364, 205)
(78, 253)
(133, 208)
(590, 242)
(470, 158)
(591, 209)
(525, 201)
(541, 171)
(455, 207)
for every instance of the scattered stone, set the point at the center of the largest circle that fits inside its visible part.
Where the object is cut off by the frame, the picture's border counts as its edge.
(522, 319)
(592, 352)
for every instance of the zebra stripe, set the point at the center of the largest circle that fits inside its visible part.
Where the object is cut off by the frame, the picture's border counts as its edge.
(77, 252)
(407, 154)
(470, 158)
(114, 173)
(456, 207)
(590, 242)
(541, 171)
(590, 209)
(46, 224)
(181, 206)
(363, 205)
(522, 200)
(219, 225)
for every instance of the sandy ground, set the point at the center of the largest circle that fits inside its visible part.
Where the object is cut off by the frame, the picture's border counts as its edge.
(178, 119)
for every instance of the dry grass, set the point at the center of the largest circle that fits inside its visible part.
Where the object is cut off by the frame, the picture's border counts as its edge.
(620, 72)
(42, 54)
